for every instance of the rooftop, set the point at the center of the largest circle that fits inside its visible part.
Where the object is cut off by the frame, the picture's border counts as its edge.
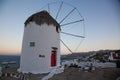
(41, 18)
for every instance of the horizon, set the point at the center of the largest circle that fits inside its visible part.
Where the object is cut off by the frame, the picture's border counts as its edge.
(19, 54)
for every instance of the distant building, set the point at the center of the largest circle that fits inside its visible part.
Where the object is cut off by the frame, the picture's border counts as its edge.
(41, 44)
(114, 55)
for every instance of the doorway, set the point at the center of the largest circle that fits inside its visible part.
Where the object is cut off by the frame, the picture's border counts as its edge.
(53, 58)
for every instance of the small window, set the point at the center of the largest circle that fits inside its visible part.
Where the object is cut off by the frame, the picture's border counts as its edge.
(32, 44)
(41, 56)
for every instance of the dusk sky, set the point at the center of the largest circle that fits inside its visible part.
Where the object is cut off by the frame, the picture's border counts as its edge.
(102, 23)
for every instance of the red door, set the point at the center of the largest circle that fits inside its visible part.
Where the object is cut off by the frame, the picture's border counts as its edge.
(53, 59)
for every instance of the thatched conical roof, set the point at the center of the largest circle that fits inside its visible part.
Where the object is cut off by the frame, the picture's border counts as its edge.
(41, 18)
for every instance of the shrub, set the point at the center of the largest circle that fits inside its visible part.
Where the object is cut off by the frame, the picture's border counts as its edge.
(74, 65)
(118, 63)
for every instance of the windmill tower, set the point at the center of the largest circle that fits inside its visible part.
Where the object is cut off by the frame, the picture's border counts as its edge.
(41, 40)
(41, 44)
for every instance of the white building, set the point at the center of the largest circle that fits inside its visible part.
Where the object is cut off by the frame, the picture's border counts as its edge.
(41, 44)
(115, 55)
(0, 71)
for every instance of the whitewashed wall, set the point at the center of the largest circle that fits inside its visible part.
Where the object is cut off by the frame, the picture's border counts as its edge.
(95, 64)
(45, 37)
(0, 71)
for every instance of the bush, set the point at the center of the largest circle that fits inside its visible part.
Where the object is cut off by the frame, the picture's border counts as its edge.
(74, 65)
(118, 63)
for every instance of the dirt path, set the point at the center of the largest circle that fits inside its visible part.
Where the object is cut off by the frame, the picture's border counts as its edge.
(99, 74)
(73, 74)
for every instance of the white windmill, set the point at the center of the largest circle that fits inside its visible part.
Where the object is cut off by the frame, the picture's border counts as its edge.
(41, 40)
